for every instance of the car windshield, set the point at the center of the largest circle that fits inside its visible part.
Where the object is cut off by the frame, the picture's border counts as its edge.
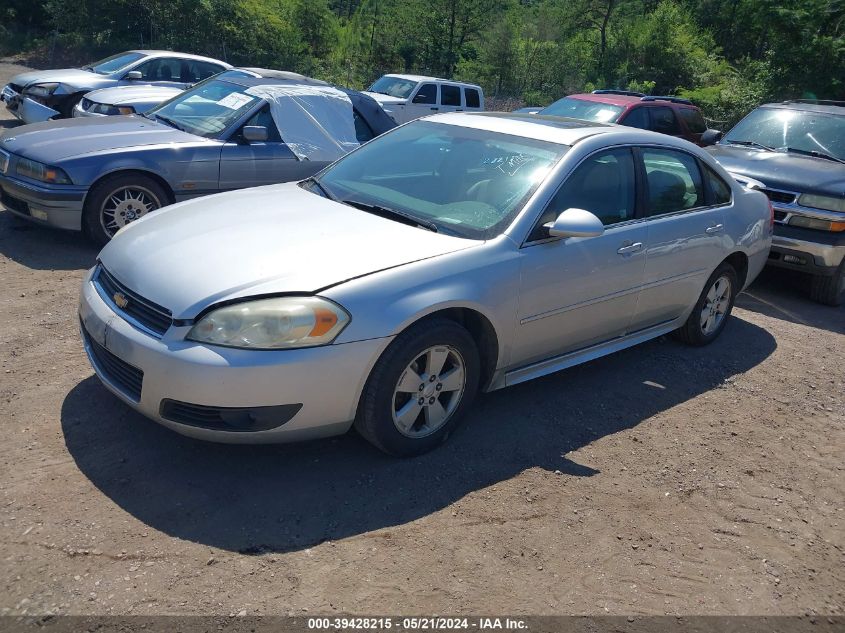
(113, 64)
(459, 180)
(584, 110)
(207, 109)
(394, 87)
(796, 130)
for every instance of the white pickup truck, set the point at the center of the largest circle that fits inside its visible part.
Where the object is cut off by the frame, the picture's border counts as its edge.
(408, 97)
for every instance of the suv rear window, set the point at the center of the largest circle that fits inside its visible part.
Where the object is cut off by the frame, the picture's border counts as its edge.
(472, 98)
(693, 119)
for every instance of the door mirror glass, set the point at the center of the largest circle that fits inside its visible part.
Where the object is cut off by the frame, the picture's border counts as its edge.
(711, 137)
(134, 75)
(575, 223)
(254, 133)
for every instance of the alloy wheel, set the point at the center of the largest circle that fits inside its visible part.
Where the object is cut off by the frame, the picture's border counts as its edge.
(126, 205)
(716, 305)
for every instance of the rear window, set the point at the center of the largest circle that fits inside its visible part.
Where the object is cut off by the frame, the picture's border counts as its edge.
(694, 120)
(472, 97)
(450, 95)
(584, 110)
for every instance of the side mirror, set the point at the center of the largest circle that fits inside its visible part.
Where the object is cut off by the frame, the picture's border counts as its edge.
(134, 75)
(710, 137)
(575, 223)
(254, 133)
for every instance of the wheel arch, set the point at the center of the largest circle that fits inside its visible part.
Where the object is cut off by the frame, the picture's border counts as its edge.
(739, 262)
(121, 171)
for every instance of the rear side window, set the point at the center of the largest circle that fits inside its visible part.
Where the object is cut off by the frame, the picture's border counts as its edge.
(719, 189)
(636, 117)
(693, 119)
(202, 70)
(426, 94)
(450, 95)
(472, 98)
(663, 120)
(674, 181)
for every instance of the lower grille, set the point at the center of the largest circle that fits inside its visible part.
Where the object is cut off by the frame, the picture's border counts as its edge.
(780, 216)
(784, 197)
(139, 311)
(130, 379)
(13, 204)
(228, 418)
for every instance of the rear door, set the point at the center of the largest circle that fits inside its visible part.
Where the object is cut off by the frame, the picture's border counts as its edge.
(686, 234)
(663, 120)
(694, 123)
(450, 98)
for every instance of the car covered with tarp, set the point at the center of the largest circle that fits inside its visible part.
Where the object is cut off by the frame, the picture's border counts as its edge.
(99, 174)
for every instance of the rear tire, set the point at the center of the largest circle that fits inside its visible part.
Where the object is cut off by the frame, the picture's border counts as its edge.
(420, 388)
(711, 311)
(118, 200)
(829, 290)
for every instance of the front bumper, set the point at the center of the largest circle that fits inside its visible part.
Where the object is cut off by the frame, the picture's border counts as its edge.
(326, 381)
(56, 206)
(26, 109)
(814, 252)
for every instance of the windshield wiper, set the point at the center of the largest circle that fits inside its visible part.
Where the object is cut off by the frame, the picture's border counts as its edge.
(814, 153)
(326, 192)
(407, 218)
(751, 144)
(169, 122)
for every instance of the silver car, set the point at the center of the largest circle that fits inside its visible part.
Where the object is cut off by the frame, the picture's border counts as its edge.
(457, 253)
(41, 95)
(98, 174)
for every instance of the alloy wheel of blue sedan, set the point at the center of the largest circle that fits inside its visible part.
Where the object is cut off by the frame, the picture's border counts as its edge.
(125, 205)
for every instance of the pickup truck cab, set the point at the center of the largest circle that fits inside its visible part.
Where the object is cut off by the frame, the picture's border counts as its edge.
(409, 97)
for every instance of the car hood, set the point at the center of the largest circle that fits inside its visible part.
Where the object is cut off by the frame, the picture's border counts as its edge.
(385, 99)
(72, 76)
(54, 141)
(779, 170)
(262, 241)
(127, 95)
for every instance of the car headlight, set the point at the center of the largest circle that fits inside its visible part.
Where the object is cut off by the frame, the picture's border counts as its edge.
(276, 323)
(111, 109)
(816, 223)
(828, 203)
(41, 90)
(42, 172)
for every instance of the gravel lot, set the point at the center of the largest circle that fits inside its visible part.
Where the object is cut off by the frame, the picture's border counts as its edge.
(659, 480)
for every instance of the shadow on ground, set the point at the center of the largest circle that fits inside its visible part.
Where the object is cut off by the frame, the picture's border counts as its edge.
(784, 294)
(254, 499)
(42, 248)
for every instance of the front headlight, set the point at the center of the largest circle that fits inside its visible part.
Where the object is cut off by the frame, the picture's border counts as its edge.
(828, 203)
(277, 323)
(41, 90)
(42, 172)
(816, 223)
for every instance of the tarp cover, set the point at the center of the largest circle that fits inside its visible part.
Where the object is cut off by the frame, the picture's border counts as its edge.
(316, 122)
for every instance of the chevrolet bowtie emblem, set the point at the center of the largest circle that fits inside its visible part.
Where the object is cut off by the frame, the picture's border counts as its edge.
(120, 300)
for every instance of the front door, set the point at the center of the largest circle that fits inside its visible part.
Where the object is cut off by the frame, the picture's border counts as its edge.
(422, 103)
(576, 292)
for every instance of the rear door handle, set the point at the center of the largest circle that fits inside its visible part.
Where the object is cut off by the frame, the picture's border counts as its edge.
(714, 229)
(630, 248)
(435, 109)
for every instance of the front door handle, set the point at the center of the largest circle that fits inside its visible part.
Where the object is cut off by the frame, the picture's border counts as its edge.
(716, 228)
(435, 109)
(630, 248)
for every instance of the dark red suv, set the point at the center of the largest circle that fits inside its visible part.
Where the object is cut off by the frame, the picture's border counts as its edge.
(669, 115)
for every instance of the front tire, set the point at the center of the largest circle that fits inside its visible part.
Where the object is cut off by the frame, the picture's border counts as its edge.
(420, 388)
(711, 311)
(829, 290)
(118, 200)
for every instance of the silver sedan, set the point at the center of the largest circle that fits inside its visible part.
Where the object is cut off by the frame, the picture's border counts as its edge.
(456, 254)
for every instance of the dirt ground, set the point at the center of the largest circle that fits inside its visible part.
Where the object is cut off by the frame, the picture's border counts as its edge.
(659, 480)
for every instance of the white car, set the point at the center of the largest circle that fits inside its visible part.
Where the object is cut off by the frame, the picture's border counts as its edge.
(123, 100)
(408, 97)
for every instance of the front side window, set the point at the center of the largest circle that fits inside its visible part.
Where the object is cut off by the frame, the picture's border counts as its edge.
(263, 118)
(694, 120)
(796, 130)
(426, 94)
(584, 110)
(207, 109)
(467, 182)
(674, 181)
(604, 184)
(450, 95)
(114, 63)
(394, 87)
(663, 120)
(636, 117)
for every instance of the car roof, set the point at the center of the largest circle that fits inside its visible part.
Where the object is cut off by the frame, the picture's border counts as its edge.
(807, 105)
(161, 53)
(554, 129)
(427, 78)
(271, 73)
